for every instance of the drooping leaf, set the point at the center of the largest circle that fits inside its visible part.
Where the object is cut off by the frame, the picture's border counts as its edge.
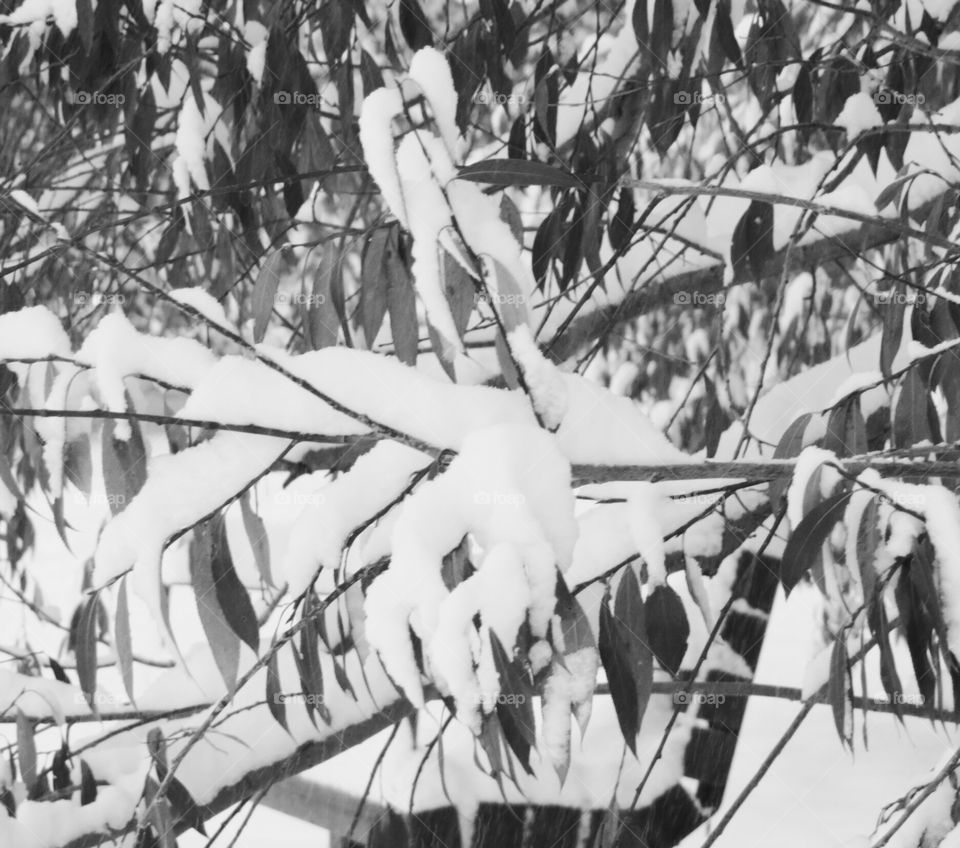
(401, 304)
(231, 595)
(264, 296)
(123, 640)
(224, 642)
(667, 627)
(805, 546)
(918, 630)
(752, 245)
(26, 749)
(374, 284)
(275, 697)
(789, 446)
(846, 430)
(620, 228)
(614, 655)
(516, 712)
(576, 633)
(892, 334)
(184, 807)
(839, 690)
(915, 419)
(414, 26)
(259, 542)
(517, 143)
(85, 648)
(88, 785)
(124, 465)
(626, 656)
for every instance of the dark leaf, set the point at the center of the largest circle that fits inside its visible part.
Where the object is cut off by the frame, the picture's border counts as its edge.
(846, 430)
(374, 284)
(893, 308)
(723, 27)
(790, 445)
(414, 26)
(752, 245)
(517, 143)
(620, 228)
(85, 648)
(88, 786)
(667, 627)
(275, 697)
(370, 74)
(231, 595)
(514, 172)
(516, 712)
(805, 545)
(914, 419)
(839, 690)
(26, 750)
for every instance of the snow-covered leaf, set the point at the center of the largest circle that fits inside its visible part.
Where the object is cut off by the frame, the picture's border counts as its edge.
(804, 548)
(667, 627)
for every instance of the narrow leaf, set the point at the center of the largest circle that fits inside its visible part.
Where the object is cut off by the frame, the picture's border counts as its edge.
(804, 547)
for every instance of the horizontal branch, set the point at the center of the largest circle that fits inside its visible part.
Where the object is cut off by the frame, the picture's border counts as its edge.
(253, 429)
(661, 291)
(755, 472)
